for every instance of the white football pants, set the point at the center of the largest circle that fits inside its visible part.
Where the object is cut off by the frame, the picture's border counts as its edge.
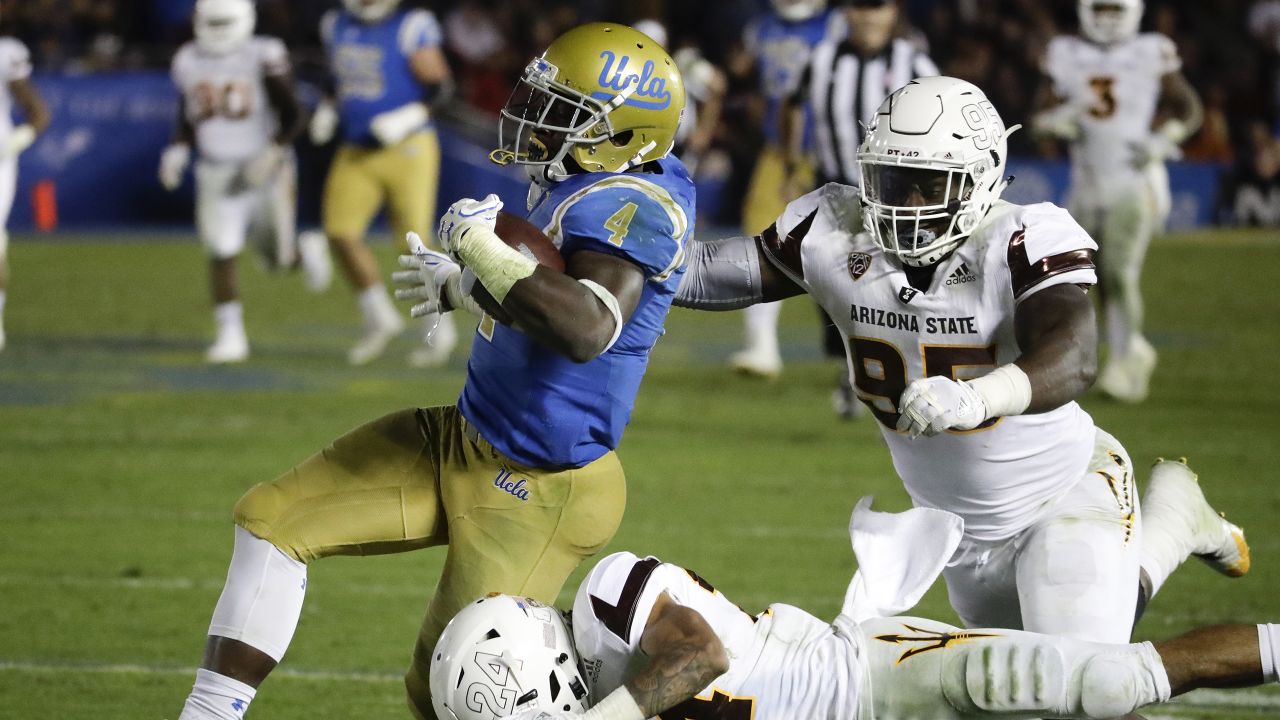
(267, 215)
(1072, 573)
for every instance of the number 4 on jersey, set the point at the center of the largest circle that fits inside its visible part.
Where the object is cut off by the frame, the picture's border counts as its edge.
(619, 223)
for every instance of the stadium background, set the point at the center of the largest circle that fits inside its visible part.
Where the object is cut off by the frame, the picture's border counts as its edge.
(120, 454)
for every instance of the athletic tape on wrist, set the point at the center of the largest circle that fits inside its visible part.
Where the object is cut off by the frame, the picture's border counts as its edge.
(1005, 390)
(497, 266)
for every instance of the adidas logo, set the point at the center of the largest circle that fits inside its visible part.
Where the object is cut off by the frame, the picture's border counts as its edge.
(961, 275)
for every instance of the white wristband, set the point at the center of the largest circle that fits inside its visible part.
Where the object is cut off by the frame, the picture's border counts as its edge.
(497, 265)
(617, 705)
(610, 302)
(1005, 390)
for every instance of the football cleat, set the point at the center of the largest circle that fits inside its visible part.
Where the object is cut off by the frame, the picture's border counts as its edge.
(1128, 378)
(1220, 544)
(436, 348)
(229, 347)
(317, 265)
(375, 339)
(755, 362)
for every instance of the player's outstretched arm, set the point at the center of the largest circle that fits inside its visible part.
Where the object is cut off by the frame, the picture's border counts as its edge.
(28, 100)
(1058, 334)
(731, 274)
(685, 655)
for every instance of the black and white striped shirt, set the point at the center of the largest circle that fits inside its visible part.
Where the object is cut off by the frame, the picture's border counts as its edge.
(844, 90)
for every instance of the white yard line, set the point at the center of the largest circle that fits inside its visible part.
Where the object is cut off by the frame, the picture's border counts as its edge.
(73, 667)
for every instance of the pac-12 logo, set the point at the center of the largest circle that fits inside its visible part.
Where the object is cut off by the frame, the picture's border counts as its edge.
(614, 76)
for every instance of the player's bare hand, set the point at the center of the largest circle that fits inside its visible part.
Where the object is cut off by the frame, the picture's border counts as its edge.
(464, 215)
(933, 405)
(425, 276)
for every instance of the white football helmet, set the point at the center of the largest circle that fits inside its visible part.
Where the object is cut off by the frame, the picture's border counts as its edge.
(797, 10)
(503, 654)
(371, 10)
(1109, 21)
(223, 26)
(932, 164)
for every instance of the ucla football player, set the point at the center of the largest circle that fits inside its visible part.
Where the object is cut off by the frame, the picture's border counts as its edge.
(780, 42)
(387, 64)
(519, 478)
(15, 88)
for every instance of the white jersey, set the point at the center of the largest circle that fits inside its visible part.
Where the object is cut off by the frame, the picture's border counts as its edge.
(998, 477)
(15, 64)
(1116, 88)
(783, 663)
(226, 97)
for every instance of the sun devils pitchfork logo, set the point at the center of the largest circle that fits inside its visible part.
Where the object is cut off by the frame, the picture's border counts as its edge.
(931, 639)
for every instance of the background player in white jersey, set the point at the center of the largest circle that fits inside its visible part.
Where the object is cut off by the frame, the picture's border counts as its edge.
(15, 89)
(238, 107)
(1105, 90)
(652, 639)
(970, 334)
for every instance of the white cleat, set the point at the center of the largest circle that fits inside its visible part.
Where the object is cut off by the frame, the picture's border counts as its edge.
(317, 265)
(375, 339)
(435, 350)
(1128, 378)
(228, 348)
(1175, 490)
(755, 362)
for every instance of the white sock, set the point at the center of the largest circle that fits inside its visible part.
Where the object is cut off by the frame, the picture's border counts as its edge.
(1269, 647)
(1164, 546)
(262, 600)
(216, 697)
(229, 317)
(1119, 328)
(761, 325)
(375, 305)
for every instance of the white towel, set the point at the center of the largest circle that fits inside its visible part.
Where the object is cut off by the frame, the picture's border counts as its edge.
(899, 556)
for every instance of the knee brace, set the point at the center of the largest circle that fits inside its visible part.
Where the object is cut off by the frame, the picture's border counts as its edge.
(1030, 675)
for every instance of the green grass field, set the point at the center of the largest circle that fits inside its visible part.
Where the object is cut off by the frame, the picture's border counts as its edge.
(121, 456)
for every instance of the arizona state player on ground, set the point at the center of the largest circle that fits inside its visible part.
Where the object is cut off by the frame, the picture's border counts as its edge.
(969, 335)
(519, 479)
(649, 639)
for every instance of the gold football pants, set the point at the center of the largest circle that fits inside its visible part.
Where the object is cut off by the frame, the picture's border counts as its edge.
(423, 477)
(404, 176)
(769, 192)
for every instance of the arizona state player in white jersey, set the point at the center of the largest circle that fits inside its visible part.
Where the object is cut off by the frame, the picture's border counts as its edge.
(238, 108)
(15, 89)
(969, 335)
(1104, 90)
(648, 639)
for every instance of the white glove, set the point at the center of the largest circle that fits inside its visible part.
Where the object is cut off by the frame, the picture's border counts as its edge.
(1061, 121)
(934, 404)
(173, 163)
(432, 277)
(1160, 146)
(20, 139)
(324, 123)
(392, 126)
(464, 215)
(262, 169)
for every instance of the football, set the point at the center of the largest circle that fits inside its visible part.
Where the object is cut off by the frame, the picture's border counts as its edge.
(526, 237)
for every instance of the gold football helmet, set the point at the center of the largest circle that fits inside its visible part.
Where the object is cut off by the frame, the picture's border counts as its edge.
(605, 95)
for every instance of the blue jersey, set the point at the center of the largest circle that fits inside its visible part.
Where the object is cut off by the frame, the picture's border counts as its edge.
(537, 406)
(781, 49)
(370, 63)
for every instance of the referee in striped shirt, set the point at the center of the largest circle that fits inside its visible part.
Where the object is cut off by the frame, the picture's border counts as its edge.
(847, 78)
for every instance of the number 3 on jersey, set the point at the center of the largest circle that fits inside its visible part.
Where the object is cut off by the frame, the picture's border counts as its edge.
(880, 372)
